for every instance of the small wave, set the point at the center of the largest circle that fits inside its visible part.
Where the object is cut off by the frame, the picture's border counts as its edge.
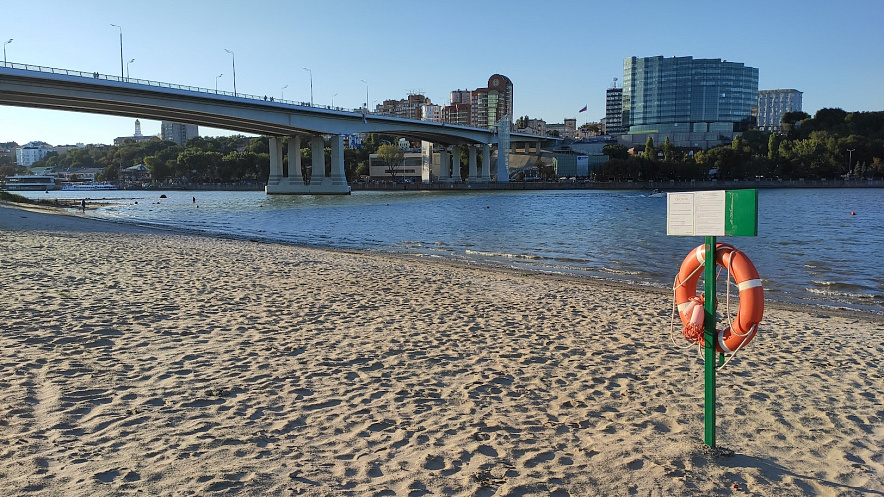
(840, 285)
(624, 272)
(506, 255)
(828, 292)
(569, 260)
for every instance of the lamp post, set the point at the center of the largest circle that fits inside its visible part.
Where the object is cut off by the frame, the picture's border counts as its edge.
(366, 93)
(121, 49)
(4, 50)
(216, 81)
(127, 68)
(281, 93)
(311, 85)
(233, 55)
(333, 99)
(849, 160)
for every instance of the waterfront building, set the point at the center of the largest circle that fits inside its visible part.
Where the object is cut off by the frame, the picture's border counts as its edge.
(408, 171)
(78, 175)
(31, 152)
(772, 104)
(694, 102)
(178, 132)
(135, 174)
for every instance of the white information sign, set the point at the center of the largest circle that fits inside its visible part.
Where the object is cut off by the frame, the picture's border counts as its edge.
(695, 213)
(680, 214)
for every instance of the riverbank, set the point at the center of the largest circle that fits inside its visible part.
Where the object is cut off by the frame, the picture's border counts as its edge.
(617, 185)
(138, 359)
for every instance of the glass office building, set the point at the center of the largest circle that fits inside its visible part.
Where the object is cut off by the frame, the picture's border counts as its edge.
(686, 95)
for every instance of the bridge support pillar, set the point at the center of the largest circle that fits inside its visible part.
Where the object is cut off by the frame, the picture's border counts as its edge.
(275, 145)
(426, 161)
(444, 165)
(319, 183)
(471, 153)
(317, 155)
(486, 164)
(503, 149)
(455, 164)
(296, 172)
(338, 176)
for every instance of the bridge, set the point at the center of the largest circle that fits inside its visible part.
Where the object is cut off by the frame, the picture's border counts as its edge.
(285, 122)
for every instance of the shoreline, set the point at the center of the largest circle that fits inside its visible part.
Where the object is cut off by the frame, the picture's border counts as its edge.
(832, 309)
(170, 363)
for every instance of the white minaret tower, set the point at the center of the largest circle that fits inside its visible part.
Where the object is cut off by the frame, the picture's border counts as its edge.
(137, 127)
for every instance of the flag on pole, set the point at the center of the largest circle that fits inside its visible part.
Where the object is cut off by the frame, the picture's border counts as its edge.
(583, 109)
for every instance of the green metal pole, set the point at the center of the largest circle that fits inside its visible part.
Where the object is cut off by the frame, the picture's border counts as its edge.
(709, 340)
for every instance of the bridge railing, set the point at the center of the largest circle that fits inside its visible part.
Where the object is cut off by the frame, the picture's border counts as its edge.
(159, 84)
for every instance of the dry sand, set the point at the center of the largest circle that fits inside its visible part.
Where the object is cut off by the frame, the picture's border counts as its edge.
(155, 363)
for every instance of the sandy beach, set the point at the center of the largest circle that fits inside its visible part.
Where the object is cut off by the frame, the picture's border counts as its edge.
(146, 362)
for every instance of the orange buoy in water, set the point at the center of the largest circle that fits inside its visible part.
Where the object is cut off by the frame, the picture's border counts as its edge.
(751, 310)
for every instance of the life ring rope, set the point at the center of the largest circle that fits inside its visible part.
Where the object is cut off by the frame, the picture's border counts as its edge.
(684, 309)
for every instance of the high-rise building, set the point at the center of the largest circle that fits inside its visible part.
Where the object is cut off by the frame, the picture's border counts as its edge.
(772, 104)
(484, 106)
(177, 132)
(490, 105)
(614, 110)
(407, 108)
(680, 95)
(431, 112)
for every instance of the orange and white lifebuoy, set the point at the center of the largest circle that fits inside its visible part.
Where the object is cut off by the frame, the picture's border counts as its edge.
(745, 325)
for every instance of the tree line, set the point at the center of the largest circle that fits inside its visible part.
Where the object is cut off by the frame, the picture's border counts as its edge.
(225, 159)
(831, 144)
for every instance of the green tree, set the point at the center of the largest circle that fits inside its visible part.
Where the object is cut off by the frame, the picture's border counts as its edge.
(773, 147)
(669, 150)
(616, 151)
(392, 156)
(650, 153)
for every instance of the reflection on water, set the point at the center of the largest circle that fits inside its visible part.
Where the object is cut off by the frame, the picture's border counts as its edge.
(810, 248)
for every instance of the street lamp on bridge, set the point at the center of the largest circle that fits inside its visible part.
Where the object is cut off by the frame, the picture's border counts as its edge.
(4, 50)
(366, 93)
(216, 81)
(233, 55)
(127, 68)
(121, 49)
(281, 94)
(311, 85)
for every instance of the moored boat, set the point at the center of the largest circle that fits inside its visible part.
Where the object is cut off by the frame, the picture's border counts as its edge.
(29, 182)
(89, 187)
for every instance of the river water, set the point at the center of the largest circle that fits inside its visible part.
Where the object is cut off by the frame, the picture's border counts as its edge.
(809, 249)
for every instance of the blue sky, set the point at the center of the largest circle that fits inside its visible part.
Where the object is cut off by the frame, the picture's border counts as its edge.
(560, 55)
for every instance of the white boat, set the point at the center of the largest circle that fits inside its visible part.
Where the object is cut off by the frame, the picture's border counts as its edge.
(29, 182)
(89, 187)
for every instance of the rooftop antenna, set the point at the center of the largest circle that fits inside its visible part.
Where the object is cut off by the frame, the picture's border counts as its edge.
(615, 83)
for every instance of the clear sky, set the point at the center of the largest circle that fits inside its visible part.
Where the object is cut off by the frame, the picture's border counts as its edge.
(560, 55)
